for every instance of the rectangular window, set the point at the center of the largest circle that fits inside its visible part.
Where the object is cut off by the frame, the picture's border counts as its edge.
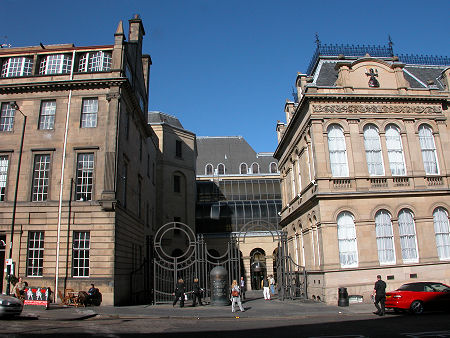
(40, 177)
(176, 183)
(178, 149)
(6, 117)
(85, 177)
(4, 162)
(89, 113)
(80, 254)
(35, 254)
(47, 115)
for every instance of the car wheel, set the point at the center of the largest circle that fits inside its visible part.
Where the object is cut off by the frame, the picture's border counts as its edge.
(416, 307)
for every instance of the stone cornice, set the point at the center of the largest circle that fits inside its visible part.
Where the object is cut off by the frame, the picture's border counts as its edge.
(60, 85)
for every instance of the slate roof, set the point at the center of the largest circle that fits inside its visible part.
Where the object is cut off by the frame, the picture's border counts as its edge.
(325, 74)
(159, 117)
(230, 151)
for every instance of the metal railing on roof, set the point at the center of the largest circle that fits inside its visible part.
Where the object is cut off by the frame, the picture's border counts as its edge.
(433, 60)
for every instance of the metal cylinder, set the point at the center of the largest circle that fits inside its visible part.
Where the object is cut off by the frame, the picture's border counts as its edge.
(219, 286)
(343, 297)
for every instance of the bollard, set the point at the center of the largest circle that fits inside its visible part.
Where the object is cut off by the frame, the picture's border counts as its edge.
(343, 297)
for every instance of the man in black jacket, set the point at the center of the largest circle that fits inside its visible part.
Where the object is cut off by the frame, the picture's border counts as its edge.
(179, 293)
(197, 293)
(379, 292)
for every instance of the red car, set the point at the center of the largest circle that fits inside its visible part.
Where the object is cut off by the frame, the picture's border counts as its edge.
(420, 296)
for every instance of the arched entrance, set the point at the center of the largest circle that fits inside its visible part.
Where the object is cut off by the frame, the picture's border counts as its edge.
(258, 269)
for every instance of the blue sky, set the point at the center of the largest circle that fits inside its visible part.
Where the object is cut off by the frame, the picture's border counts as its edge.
(227, 67)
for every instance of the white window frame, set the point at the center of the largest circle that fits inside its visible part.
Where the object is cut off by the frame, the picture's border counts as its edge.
(81, 254)
(442, 233)
(4, 165)
(84, 188)
(395, 152)
(35, 254)
(374, 155)
(408, 236)
(347, 240)
(337, 151)
(220, 165)
(385, 237)
(428, 147)
(209, 165)
(89, 112)
(47, 114)
(243, 172)
(56, 64)
(276, 167)
(41, 178)
(257, 166)
(6, 117)
(17, 66)
(96, 61)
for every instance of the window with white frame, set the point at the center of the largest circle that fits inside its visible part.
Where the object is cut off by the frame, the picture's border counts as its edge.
(98, 61)
(385, 237)
(338, 151)
(41, 175)
(89, 113)
(85, 176)
(4, 162)
(243, 168)
(395, 150)
(47, 115)
(221, 169)
(55, 64)
(255, 168)
(209, 169)
(35, 253)
(442, 232)
(17, 66)
(407, 232)
(372, 145)
(299, 176)
(348, 250)
(428, 148)
(80, 253)
(6, 117)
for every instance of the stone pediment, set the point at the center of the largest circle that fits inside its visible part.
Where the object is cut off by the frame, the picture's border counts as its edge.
(371, 73)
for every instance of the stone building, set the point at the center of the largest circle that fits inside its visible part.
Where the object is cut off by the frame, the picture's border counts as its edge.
(175, 170)
(364, 170)
(238, 194)
(86, 184)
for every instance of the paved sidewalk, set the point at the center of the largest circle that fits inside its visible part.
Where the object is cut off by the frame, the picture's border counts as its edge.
(254, 308)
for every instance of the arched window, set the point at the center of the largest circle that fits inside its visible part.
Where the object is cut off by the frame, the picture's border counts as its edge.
(273, 168)
(442, 232)
(221, 169)
(338, 152)
(407, 232)
(428, 150)
(255, 168)
(209, 169)
(395, 150)
(348, 250)
(243, 168)
(372, 145)
(385, 237)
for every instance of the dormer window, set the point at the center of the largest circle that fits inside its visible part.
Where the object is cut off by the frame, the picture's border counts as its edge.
(17, 66)
(55, 64)
(95, 62)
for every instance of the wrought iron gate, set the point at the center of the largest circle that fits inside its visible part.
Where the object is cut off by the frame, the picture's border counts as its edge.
(196, 262)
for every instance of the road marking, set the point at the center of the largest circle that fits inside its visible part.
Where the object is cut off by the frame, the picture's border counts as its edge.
(434, 334)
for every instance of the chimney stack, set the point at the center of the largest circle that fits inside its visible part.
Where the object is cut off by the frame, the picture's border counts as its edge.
(136, 32)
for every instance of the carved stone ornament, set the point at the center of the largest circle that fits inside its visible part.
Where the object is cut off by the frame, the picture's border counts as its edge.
(373, 74)
(375, 108)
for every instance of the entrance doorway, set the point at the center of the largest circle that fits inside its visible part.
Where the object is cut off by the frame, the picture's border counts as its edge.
(258, 269)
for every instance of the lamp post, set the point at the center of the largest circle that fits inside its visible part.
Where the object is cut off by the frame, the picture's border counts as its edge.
(16, 108)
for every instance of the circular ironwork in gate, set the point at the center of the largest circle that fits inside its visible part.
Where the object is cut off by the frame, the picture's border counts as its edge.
(175, 241)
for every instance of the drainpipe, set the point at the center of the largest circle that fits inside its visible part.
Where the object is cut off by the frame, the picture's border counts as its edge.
(58, 239)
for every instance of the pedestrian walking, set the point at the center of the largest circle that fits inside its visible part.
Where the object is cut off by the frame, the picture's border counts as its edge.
(242, 288)
(196, 293)
(266, 291)
(272, 285)
(379, 292)
(235, 296)
(179, 293)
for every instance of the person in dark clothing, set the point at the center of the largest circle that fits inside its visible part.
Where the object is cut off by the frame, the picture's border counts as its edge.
(179, 293)
(196, 293)
(379, 292)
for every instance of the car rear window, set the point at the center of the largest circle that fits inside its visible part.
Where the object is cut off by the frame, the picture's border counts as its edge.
(440, 287)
